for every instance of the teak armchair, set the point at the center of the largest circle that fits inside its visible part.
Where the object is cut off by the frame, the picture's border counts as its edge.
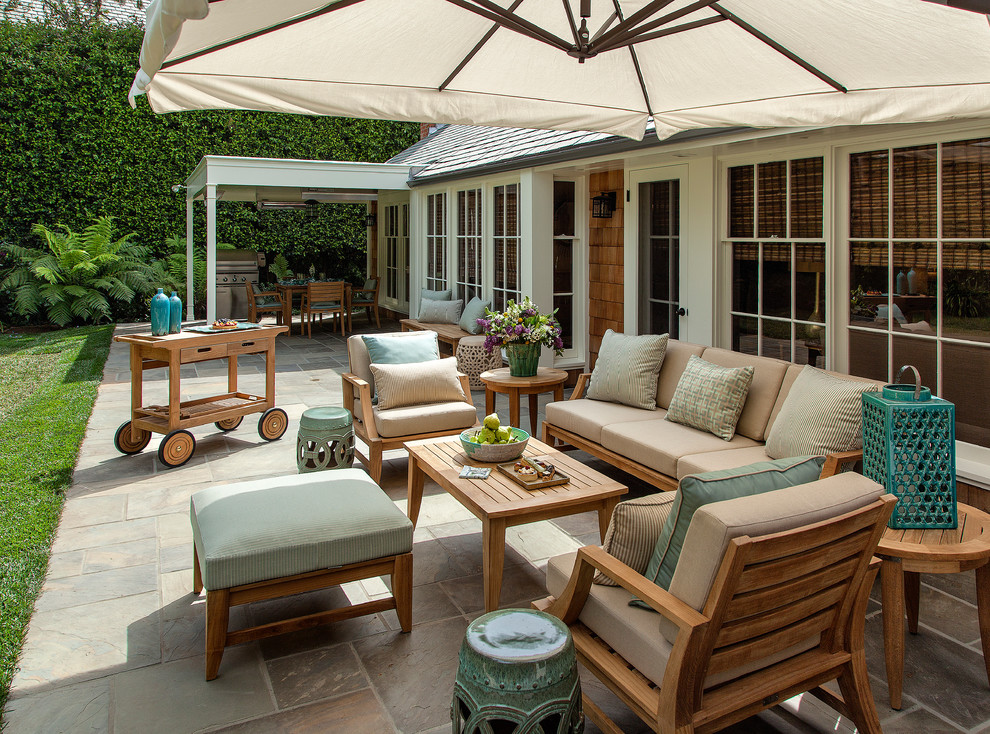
(785, 613)
(263, 302)
(323, 298)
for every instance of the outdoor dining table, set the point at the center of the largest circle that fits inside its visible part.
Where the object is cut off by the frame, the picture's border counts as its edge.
(293, 290)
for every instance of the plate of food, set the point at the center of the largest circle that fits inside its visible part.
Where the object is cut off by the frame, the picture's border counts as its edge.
(534, 472)
(224, 325)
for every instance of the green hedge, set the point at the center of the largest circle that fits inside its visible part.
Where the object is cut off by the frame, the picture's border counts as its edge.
(73, 149)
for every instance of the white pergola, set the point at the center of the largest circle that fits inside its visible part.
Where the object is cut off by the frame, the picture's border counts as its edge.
(273, 180)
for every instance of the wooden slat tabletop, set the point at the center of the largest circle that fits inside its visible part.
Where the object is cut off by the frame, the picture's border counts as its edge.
(969, 541)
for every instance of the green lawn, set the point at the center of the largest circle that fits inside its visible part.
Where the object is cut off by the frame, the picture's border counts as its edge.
(48, 385)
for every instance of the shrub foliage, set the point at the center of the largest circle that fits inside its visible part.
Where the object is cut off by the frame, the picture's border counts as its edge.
(72, 150)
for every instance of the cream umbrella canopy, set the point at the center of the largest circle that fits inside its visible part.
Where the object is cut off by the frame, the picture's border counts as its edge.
(601, 65)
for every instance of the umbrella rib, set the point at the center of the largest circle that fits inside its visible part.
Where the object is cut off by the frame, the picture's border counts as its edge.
(669, 31)
(778, 47)
(491, 11)
(635, 60)
(641, 14)
(262, 31)
(570, 19)
(475, 50)
(632, 35)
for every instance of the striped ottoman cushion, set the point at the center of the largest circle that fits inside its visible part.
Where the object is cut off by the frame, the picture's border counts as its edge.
(273, 528)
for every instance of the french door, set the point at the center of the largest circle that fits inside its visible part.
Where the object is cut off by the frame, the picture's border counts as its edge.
(660, 225)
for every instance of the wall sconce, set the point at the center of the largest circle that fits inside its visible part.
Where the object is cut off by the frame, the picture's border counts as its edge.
(370, 220)
(603, 205)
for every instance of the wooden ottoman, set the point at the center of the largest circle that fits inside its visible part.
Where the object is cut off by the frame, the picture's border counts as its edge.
(276, 537)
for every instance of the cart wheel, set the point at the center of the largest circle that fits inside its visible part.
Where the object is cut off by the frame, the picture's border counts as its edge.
(230, 424)
(123, 442)
(273, 423)
(176, 448)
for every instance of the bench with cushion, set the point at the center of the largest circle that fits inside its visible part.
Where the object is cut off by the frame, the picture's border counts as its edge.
(275, 537)
(449, 334)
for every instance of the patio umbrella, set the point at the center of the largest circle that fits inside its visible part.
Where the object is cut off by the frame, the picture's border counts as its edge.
(601, 65)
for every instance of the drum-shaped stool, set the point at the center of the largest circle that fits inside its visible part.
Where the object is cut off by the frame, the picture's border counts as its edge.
(517, 673)
(472, 359)
(325, 440)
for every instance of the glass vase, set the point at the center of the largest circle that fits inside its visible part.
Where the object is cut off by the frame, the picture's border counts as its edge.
(174, 314)
(159, 314)
(524, 359)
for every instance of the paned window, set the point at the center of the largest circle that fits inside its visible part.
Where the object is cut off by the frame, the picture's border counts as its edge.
(919, 273)
(505, 208)
(469, 260)
(777, 254)
(396, 245)
(564, 243)
(436, 242)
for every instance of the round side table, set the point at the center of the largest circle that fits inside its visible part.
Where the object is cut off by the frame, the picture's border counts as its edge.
(908, 553)
(517, 671)
(325, 440)
(546, 379)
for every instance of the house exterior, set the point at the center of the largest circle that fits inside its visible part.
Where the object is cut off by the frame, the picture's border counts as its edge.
(857, 249)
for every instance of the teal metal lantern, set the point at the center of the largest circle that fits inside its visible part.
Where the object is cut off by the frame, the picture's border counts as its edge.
(909, 446)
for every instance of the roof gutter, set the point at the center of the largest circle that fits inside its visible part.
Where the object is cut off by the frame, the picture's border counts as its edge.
(610, 146)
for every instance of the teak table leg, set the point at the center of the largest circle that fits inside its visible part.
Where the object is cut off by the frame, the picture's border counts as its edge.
(415, 489)
(137, 385)
(232, 373)
(983, 611)
(489, 401)
(174, 391)
(892, 596)
(493, 549)
(912, 598)
(514, 407)
(534, 409)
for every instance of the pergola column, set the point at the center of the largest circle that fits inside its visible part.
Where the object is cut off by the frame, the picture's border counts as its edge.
(211, 253)
(190, 295)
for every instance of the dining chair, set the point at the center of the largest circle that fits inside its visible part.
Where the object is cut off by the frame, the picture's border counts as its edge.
(263, 302)
(323, 298)
(365, 297)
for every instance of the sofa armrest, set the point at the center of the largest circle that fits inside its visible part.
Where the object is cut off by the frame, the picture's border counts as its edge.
(579, 387)
(835, 462)
(367, 417)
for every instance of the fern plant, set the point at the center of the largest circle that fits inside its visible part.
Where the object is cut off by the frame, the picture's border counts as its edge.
(171, 270)
(76, 276)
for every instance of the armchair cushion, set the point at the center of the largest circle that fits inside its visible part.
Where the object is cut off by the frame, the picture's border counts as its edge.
(414, 420)
(697, 490)
(474, 310)
(423, 347)
(627, 368)
(633, 531)
(821, 414)
(417, 383)
(440, 312)
(710, 398)
(359, 357)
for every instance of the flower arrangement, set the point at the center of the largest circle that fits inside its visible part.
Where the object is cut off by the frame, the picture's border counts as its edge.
(521, 323)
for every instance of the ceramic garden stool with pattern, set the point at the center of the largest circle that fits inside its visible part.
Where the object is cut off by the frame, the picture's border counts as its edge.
(325, 440)
(517, 673)
(280, 536)
(472, 359)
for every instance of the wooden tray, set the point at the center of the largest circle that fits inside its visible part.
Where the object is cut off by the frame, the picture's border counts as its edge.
(536, 482)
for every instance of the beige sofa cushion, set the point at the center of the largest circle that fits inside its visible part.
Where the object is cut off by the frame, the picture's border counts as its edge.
(627, 368)
(718, 460)
(674, 361)
(659, 444)
(417, 383)
(587, 417)
(768, 374)
(716, 524)
(416, 419)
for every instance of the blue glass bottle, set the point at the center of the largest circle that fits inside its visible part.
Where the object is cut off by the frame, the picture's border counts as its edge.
(174, 314)
(159, 314)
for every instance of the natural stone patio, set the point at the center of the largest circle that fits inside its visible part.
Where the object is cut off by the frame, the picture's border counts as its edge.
(116, 640)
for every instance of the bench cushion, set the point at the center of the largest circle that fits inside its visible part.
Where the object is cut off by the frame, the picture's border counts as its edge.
(282, 526)
(587, 417)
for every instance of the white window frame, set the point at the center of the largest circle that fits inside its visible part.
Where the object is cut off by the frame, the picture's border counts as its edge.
(508, 294)
(462, 287)
(437, 241)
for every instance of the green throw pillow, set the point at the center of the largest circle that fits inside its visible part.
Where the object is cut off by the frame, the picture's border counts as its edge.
(474, 310)
(696, 490)
(710, 397)
(421, 347)
(427, 295)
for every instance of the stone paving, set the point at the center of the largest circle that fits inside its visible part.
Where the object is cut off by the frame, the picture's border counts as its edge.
(116, 640)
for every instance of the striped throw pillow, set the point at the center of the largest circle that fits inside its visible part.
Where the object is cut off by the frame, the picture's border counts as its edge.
(628, 368)
(822, 413)
(633, 532)
(710, 398)
(417, 383)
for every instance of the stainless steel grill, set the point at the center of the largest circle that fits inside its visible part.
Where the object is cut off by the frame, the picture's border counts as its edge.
(235, 269)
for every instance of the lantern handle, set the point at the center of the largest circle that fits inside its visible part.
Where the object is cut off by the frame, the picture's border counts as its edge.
(917, 379)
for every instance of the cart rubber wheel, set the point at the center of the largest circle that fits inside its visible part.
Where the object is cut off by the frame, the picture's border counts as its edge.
(176, 448)
(273, 423)
(123, 442)
(230, 424)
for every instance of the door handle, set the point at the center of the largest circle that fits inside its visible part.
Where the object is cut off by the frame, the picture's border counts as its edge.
(682, 311)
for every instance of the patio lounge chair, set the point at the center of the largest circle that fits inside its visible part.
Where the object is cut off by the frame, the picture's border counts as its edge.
(767, 600)
(365, 297)
(263, 302)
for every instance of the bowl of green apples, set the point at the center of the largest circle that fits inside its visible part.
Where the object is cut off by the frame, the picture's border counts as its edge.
(493, 442)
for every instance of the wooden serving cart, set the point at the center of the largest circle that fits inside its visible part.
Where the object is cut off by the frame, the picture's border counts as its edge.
(226, 411)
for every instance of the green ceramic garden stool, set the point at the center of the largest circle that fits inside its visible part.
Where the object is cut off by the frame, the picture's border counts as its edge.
(325, 440)
(517, 674)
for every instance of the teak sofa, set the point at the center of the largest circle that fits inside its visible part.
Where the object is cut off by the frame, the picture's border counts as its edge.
(658, 451)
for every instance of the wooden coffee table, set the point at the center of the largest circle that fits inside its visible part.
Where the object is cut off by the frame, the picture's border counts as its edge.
(908, 553)
(501, 503)
(546, 379)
